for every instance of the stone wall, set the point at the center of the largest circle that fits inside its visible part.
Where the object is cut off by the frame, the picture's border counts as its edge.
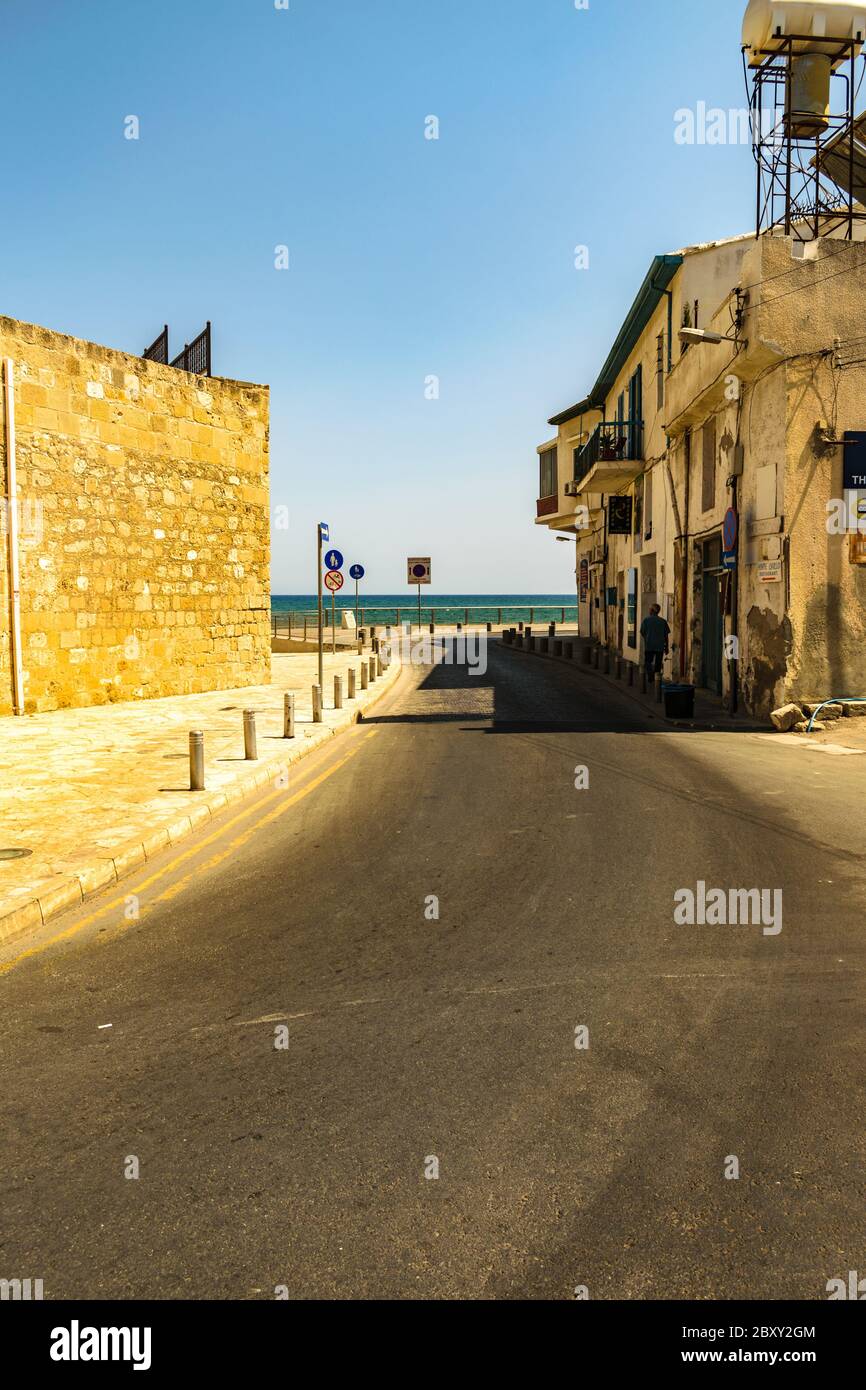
(143, 502)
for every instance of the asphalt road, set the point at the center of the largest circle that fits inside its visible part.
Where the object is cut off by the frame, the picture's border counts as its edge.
(413, 1038)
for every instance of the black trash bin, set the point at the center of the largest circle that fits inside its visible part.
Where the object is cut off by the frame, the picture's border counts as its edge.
(679, 700)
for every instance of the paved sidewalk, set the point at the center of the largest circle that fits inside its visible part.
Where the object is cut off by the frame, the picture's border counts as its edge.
(93, 793)
(841, 736)
(709, 714)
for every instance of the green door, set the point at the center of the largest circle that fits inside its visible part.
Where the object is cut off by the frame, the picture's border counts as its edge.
(711, 641)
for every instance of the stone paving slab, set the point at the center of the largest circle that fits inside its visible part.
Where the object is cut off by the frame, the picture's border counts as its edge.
(93, 793)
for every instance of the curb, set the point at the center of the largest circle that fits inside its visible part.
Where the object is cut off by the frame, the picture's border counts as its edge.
(726, 722)
(100, 873)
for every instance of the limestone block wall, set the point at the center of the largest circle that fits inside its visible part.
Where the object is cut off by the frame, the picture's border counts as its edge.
(144, 518)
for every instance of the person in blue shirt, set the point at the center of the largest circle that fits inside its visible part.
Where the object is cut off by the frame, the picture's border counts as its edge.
(656, 636)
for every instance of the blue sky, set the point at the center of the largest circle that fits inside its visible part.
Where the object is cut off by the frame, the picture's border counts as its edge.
(408, 257)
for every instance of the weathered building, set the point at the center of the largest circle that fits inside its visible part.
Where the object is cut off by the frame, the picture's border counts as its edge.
(681, 444)
(142, 523)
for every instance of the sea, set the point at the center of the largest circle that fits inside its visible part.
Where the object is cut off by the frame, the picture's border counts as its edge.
(440, 608)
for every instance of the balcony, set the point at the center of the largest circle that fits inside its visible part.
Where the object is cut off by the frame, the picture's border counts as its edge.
(546, 506)
(612, 457)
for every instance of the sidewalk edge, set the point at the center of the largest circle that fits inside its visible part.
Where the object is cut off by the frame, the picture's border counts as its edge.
(100, 873)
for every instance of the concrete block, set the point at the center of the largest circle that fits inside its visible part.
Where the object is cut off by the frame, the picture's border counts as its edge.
(58, 899)
(97, 875)
(20, 920)
(811, 707)
(786, 717)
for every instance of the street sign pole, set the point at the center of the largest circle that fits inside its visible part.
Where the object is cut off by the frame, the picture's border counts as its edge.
(321, 634)
(419, 610)
(357, 573)
(333, 623)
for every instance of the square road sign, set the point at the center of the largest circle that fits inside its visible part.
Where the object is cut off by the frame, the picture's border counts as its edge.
(418, 570)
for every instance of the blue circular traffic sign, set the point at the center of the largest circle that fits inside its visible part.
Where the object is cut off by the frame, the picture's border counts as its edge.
(334, 560)
(730, 530)
(357, 572)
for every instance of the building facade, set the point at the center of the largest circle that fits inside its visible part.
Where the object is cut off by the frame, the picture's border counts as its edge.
(141, 523)
(706, 471)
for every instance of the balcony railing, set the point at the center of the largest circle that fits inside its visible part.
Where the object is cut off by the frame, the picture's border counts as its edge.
(613, 441)
(547, 506)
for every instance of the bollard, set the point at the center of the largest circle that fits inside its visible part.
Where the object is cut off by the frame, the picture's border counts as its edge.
(631, 673)
(196, 761)
(364, 675)
(490, 627)
(557, 647)
(587, 656)
(372, 634)
(459, 627)
(380, 670)
(607, 661)
(288, 716)
(353, 683)
(659, 691)
(520, 627)
(619, 668)
(250, 750)
(317, 704)
(643, 681)
(338, 692)
(432, 629)
(372, 668)
(527, 632)
(568, 651)
(545, 645)
(551, 630)
(596, 657)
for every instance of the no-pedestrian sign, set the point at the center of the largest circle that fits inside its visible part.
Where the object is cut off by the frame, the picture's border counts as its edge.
(334, 581)
(419, 570)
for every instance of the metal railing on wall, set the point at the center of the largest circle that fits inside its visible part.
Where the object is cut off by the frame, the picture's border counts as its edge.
(158, 350)
(195, 358)
(288, 622)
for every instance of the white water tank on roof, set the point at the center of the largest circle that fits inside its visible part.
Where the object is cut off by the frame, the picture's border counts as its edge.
(816, 29)
(767, 23)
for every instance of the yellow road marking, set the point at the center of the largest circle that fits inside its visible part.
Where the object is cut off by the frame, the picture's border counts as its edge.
(215, 859)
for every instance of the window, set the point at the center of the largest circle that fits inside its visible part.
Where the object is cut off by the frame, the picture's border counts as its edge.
(635, 415)
(648, 507)
(547, 480)
(660, 370)
(708, 487)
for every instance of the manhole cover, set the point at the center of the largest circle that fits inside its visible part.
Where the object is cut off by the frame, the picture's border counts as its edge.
(15, 853)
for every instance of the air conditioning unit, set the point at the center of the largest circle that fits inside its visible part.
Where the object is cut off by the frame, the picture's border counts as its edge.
(571, 489)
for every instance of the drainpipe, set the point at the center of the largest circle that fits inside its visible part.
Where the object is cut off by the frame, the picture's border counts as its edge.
(12, 524)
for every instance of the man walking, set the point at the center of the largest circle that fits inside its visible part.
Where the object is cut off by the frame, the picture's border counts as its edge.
(656, 636)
